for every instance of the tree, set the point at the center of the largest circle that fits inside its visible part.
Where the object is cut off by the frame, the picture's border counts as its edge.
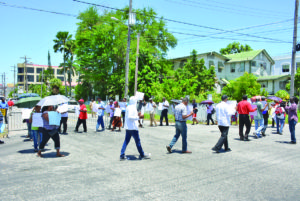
(48, 74)
(61, 45)
(101, 49)
(36, 88)
(235, 47)
(296, 82)
(284, 95)
(244, 85)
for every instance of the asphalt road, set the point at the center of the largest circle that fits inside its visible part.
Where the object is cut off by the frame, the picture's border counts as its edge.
(262, 169)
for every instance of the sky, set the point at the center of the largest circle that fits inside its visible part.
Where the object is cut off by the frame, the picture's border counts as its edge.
(206, 25)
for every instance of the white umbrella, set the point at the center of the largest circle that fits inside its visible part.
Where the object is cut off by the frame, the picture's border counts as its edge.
(53, 100)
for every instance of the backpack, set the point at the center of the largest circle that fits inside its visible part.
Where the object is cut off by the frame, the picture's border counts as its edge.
(213, 111)
(278, 111)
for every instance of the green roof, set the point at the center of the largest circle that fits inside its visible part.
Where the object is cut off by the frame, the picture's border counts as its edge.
(272, 77)
(247, 56)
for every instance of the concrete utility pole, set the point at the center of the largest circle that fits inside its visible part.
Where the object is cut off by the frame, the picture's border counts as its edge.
(137, 63)
(292, 91)
(128, 51)
(25, 68)
(14, 70)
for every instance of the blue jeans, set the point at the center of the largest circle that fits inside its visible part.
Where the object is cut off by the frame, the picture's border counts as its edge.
(36, 135)
(180, 129)
(292, 125)
(136, 137)
(100, 122)
(259, 125)
(281, 122)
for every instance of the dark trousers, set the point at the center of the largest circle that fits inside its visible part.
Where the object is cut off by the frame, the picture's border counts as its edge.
(223, 139)
(123, 116)
(266, 118)
(110, 122)
(209, 117)
(273, 122)
(64, 122)
(5, 117)
(244, 120)
(164, 114)
(46, 138)
(79, 122)
(136, 137)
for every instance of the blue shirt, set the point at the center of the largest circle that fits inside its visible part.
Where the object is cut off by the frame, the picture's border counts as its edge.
(100, 111)
(3, 105)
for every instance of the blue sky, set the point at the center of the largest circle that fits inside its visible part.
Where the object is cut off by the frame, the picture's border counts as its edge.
(31, 33)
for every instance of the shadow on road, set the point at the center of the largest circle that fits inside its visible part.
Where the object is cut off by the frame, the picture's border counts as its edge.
(283, 142)
(28, 151)
(53, 154)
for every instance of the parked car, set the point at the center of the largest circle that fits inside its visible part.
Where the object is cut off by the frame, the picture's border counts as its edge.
(71, 106)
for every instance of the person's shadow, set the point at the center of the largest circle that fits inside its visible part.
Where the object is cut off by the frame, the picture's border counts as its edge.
(53, 154)
(28, 151)
(283, 142)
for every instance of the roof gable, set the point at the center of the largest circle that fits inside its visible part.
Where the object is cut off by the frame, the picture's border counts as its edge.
(203, 54)
(248, 56)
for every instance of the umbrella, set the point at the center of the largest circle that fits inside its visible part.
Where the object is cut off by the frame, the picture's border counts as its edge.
(176, 101)
(256, 97)
(207, 102)
(53, 100)
(274, 98)
(28, 102)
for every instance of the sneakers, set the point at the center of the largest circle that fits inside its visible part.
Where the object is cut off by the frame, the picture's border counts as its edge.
(255, 135)
(186, 152)
(1, 142)
(169, 149)
(215, 149)
(122, 158)
(146, 156)
(292, 142)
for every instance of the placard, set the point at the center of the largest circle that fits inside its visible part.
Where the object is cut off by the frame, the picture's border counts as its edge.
(77, 108)
(139, 95)
(117, 112)
(26, 113)
(122, 105)
(189, 110)
(37, 120)
(54, 118)
(107, 109)
(95, 107)
(160, 106)
(255, 112)
(149, 107)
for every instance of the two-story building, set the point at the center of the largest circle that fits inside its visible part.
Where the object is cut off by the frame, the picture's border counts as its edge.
(283, 65)
(232, 66)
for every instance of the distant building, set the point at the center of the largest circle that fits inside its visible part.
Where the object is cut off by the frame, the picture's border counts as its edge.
(33, 73)
(232, 66)
(283, 65)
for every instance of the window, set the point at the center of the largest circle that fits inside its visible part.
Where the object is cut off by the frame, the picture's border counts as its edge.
(264, 84)
(37, 78)
(282, 84)
(30, 78)
(58, 71)
(30, 70)
(253, 63)
(20, 78)
(20, 70)
(242, 67)
(61, 78)
(285, 68)
(220, 66)
(38, 70)
(232, 68)
(211, 63)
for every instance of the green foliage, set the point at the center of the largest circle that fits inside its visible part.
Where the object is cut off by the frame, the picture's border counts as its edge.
(56, 86)
(194, 79)
(296, 82)
(284, 95)
(36, 88)
(235, 47)
(83, 91)
(10, 95)
(264, 93)
(244, 85)
(101, 50)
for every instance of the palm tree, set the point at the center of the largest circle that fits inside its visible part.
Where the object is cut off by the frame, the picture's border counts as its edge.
(70, 69)
(61, 41)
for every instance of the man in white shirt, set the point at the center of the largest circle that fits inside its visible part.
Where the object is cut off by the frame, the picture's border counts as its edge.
(164, 112)
(131, 126)
(63, 120)
(224, 112)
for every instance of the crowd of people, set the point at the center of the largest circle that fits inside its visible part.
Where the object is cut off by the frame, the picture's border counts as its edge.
(131, 117)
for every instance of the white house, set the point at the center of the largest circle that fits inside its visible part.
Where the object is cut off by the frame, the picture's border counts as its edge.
(283, 65)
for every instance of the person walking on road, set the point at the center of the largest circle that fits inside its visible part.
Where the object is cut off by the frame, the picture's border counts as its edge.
(123, 106)
(258, 118)
(265, 115)
(280, 112)
(293, 117)
(224, 113)
(64, 120)
(92, 103)
(132, 130)
(180, 126)
(4, 107)
(82, 116)
(195, 110)
(243, 108)
(100, 114)
(209, 111)
(152, 107)
(111, 113)
(36, 132)
(164, 112)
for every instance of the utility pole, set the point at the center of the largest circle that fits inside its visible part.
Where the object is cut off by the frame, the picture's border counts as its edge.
(137, 63)
(25, 68)
(294, 50)
(128, 50)
(42, 81)
(14, 70)
(4, 87)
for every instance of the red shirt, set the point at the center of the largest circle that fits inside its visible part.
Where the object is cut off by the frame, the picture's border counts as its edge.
(83, 115)
(244, 107)
(10, 103)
